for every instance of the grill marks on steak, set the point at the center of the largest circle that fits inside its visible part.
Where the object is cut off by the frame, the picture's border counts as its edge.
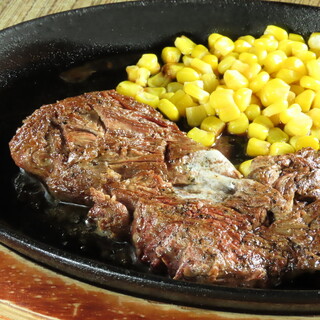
(185, 208)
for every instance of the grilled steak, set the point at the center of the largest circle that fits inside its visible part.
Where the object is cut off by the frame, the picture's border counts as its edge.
(185, 208)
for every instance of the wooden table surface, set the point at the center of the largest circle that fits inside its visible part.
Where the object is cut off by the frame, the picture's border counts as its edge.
(29, 291)
(15, 11)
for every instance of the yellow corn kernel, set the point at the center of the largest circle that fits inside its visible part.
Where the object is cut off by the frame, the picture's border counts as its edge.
(313, 67)
(128, 88)
(248, 58)
(235, 80)
(316, 100)
(241, 45)
(138, 75)
(170, 69)
(226, 64)
(169, 109)
(167, 95)
(293, 111)
(275, 108)
(213, 124)
(285, 46)
(248, 38)
(277, 32)
(267, 36)
(223, 102)
(160, 91)
(310, 83)
(265, 121)
(210, 111)
(296, 37)
(299, 125)
(244, 167)
(259, 131)
(293, 141)
(315, 132)
(148, 98)
(298, 47)
(170, 55)
(233, 54)
(179, 94)
(314, 40)
(274, 90)
(260, 52)
(273, 61)
(182, 101)
(224, 45)
(199, 51)
(195, 91)
(158, 80)
(201, 66)
(277, 135)
(212, 60)
(280, 148)
(195, 115)
(256, 147)
(242, 98)
(268, 44)
(132, 72)
(253, 111)
(187, 74)
(184, 44)
(229, 113)
(201, 136)
(291, 97)
(252, 71)
(150, 62)
(296, 64)
(306, 55)
(307, 141)
(239, 66)
(305, 99)
(288, 76)
(174, 86)
(213, 37)
(314, 114)
(239, 126)
(186, 60)
(259, 81)
(210, 82)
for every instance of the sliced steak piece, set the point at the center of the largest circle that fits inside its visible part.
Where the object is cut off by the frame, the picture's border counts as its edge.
(205, 242)
(86, 141)
(296, 176)
(185, 207)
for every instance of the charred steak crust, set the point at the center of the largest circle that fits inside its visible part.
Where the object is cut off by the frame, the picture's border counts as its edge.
(184, 207)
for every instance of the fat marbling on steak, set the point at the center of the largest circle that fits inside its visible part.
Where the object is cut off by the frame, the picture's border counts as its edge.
(185, 208)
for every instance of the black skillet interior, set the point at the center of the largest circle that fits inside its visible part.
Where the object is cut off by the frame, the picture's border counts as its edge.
(102, 40)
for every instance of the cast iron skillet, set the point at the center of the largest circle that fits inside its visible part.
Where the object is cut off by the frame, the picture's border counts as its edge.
(33, 56)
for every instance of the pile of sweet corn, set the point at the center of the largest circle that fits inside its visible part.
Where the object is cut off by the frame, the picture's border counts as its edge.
(266, 88)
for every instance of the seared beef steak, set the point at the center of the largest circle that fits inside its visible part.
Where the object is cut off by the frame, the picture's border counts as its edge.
(185, 207)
